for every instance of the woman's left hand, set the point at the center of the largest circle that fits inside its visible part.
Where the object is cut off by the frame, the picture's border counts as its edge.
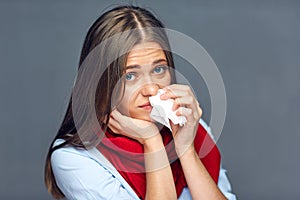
(137, 129)
(186, 105)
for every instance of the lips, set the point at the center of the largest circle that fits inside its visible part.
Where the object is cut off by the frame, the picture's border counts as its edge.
(146, 106)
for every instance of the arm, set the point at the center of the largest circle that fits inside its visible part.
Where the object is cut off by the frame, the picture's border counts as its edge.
(224, 185)
(159, 178)
(223, 182)
(199, 181)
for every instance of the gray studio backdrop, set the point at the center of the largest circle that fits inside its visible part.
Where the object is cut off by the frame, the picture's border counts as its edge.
(255, 44)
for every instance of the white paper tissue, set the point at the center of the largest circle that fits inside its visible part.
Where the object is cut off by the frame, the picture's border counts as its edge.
(162, 111)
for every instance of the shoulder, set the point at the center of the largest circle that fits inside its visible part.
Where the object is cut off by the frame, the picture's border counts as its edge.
(206, 127)
(223, 181)
(67, 155)
(80, 176)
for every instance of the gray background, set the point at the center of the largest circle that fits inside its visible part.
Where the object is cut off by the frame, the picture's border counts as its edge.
(255, 44)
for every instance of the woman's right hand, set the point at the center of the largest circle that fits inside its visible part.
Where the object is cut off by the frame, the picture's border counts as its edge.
(137, 129)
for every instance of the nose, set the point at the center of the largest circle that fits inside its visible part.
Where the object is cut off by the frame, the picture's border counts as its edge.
(149, 89)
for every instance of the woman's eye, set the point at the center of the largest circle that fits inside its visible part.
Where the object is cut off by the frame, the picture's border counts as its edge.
(159, 69)
(130, 76)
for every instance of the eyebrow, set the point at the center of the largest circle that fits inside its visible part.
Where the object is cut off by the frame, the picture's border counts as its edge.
(154, 63)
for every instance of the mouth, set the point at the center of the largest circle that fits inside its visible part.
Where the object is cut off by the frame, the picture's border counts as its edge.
(146, 106)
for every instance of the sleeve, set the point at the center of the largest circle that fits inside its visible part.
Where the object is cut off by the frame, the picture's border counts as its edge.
(223, 182)
(80, 177)
(224, 185)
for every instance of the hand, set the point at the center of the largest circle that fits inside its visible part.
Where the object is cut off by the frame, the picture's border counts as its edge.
(186, 105)
(137, 129)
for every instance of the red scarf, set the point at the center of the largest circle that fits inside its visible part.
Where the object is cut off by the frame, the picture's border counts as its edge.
(127, 156)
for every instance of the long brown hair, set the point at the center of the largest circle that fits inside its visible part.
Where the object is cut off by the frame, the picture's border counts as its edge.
(117, 20)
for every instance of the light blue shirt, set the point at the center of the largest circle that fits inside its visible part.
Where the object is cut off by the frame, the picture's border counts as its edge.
(87, 175)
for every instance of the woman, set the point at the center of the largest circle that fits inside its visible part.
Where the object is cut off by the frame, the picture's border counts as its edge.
(126, 59)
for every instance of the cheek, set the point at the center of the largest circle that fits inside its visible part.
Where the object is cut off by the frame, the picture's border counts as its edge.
(166, 80)
(127, 102)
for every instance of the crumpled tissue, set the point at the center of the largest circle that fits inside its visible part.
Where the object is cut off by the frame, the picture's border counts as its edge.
(162, 111)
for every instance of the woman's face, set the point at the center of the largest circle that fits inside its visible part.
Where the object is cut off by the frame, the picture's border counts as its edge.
(146, 71)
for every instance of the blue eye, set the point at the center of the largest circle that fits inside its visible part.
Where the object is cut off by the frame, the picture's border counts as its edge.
(159, 69)
(130, 76)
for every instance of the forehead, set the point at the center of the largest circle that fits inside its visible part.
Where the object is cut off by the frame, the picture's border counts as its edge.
(145, 53)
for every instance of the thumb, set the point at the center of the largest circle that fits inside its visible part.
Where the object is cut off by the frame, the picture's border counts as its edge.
(174, 128)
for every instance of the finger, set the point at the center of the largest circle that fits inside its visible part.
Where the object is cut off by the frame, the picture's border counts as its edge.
(183, 111)
(105, 119)
(117, 128)
(113, 129)
(185, 101)
(199, 109)
(174, 91)
(187, 112)
(114, 125)
(115, 114)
